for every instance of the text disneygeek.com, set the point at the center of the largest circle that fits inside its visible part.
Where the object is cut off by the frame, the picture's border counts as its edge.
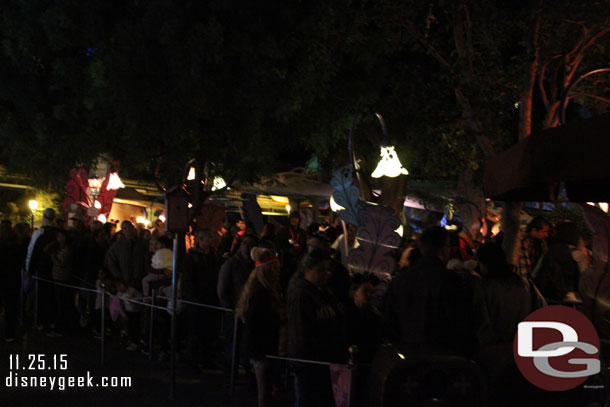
(16, 380)
(22, 368)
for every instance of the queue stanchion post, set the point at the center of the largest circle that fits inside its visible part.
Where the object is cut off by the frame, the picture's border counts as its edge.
(234, 361)
(352, 367)
(103, 327)
(178, 241)
(151, 324)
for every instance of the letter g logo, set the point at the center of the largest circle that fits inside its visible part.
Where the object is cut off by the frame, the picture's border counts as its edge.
(551, 343)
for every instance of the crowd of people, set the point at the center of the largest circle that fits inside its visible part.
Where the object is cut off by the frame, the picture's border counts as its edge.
(292, 291)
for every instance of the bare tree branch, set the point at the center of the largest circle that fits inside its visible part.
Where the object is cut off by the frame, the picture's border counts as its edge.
(590, 95)
(527, 96)
(545, 98)
(585, 33)
(572, 67)
(551, 119)
(474, 122)
(426, 44)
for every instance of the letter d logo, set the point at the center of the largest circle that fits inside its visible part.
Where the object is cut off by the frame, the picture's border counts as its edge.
(526, 338)
(556, 348)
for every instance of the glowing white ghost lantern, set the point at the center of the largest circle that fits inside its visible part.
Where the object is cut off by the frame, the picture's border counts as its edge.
(219, 183)
(114, 182)
(389, 164)
(191, 175)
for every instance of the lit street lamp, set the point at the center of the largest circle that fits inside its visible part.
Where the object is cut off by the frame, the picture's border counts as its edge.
(33, 206)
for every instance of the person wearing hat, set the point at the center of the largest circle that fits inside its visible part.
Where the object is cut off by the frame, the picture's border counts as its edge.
(262, 312)
(162, 267)
(292, 243)
(39, 264)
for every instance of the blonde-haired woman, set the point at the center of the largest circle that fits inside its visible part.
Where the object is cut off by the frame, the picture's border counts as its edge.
(261, 310)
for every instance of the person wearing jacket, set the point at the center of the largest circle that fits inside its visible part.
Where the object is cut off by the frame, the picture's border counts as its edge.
(62, 256)
(316, 331)
(232, 278)
(434, 308)
(126, 256)
(199, 281)
(39, 264)
(261, 310)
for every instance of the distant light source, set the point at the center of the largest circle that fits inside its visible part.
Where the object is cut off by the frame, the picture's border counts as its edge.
(591, 203)
(389, 164)
(280, 199)
(288, 208)
(334, 206)
(142, 220)
(219, 183)
(102, 218)
(33, 204)
(400, 355)
(191, 175)
(114, 182)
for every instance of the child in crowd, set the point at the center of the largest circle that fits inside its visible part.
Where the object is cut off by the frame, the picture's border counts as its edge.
(100, 284)
(129, 312)
(161, 264)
